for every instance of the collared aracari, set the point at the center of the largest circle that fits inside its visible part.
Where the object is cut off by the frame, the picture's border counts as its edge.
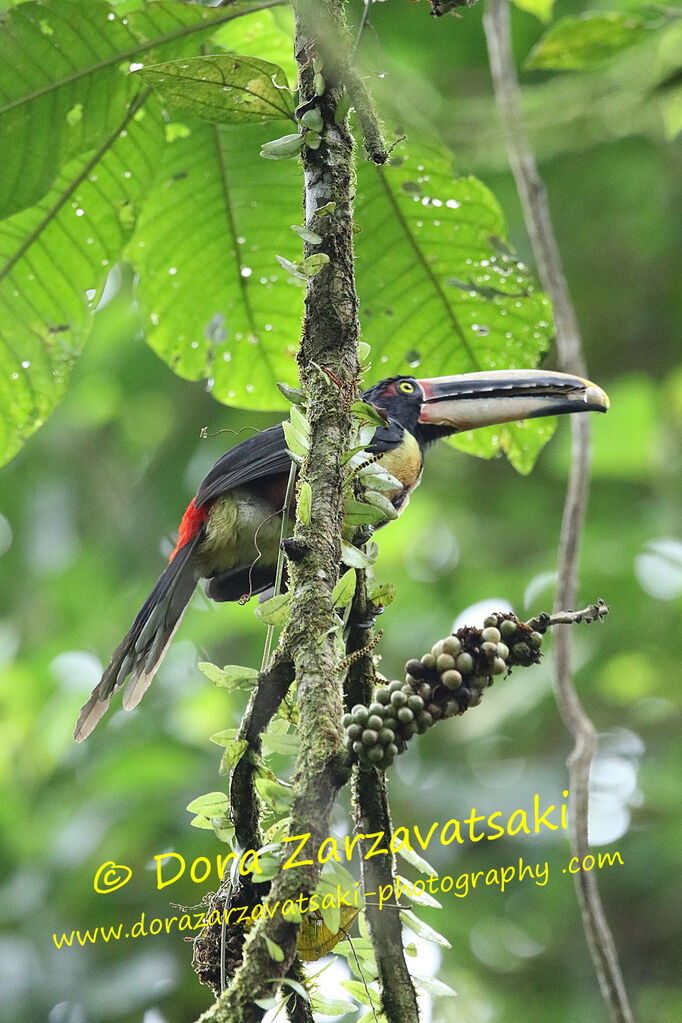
(244, 494)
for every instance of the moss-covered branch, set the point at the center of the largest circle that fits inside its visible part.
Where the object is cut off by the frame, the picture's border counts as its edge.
(329, 367)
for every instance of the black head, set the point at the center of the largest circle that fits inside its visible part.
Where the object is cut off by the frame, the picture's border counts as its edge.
(439, 406)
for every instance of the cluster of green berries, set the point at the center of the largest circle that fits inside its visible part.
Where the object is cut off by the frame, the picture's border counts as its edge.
(444, 683)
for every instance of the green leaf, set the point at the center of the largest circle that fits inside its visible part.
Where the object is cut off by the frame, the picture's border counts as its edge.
(299, 421)
(306, 235)
(274, 611)
(423, 930)
(358, 514)
(433, 986)
(434, 263)
(223, 829)
(366, 412)
(237, 327)
(54, 261)
(542, 9)
(381, 593)
(297, 442)
(305, 498)
(311, 265)
(417, 861)
(422, 899)
(213, 804)
(232, 676)
(74, 86)
(286, 147)
(274, 951)
(294, 984)
(354, 557)
(344, 590)
(331, 1006)
(202, 821)
(361, 993)
(223, 88)
(224, 737)
(576, 43)
(292, 394)
(232, 753)
(278, 740)
(331, 915)
(274, 793)
(382, 503)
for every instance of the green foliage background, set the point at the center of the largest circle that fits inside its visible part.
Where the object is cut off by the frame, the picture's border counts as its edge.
(90, 504)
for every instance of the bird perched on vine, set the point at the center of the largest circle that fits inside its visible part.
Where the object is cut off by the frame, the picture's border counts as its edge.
(244, 495)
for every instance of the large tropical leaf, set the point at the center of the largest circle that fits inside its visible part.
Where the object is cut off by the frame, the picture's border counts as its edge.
(215, 301)
(223, 88)
(54, 261)
(439, 287)
(74, 85)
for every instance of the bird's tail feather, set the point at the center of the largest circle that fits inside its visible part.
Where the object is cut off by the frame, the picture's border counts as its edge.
(142, 650)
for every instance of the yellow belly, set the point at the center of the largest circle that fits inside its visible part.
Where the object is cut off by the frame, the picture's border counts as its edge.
(406, 464)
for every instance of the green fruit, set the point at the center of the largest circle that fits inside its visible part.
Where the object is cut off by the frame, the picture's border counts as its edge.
(499, 666)
(475, 699)
(491, 635)
(375, 723)
(445, 662)
(521, 651)
(354, 731)
(536, 639)
(437, 649)
(405, 716)
(424, 721)
(425, 691)
(452, 646)
(451, 708)
(395, 686)
(451, 679)
(391, 751)
(348, 743)
(382, 695)
(390, 723)
(408, 730)
(407, 688)
(507, 629)
(360, 713)
(369, 737)
(415, 703)
(398, 699)
(358, 748)
(491, 621)
(465, 664)
(489, 649)
(429, 661)
(503, 651)
(435, 711)
(386, 736)
(414, 667)
(375, 754)
(347, 720)
(376, 708)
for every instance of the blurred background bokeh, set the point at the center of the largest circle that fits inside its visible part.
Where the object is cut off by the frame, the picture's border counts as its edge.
(88, 511)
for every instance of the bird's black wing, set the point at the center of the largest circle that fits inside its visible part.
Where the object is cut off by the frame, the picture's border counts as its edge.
(265, 454)
(262, 455)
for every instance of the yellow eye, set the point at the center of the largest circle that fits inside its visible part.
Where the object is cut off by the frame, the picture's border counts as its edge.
(406, 387)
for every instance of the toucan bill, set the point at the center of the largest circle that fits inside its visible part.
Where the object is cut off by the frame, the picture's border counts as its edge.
(468, 401)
